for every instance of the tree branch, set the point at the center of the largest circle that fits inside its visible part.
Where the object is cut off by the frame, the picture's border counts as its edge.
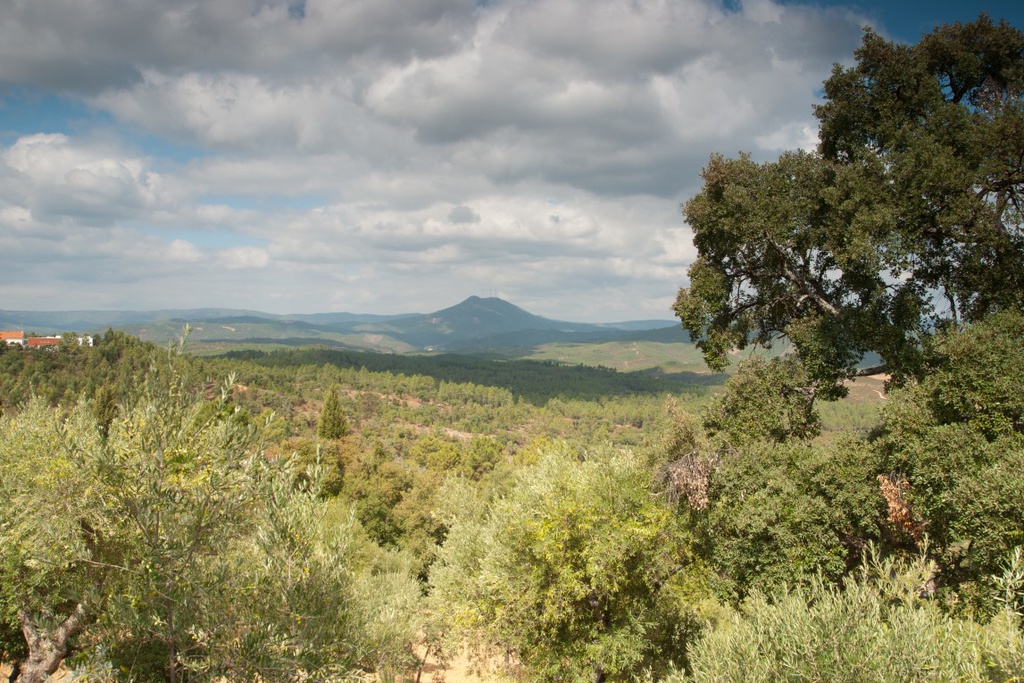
(809, 289)
(47, 651)
(873, 370)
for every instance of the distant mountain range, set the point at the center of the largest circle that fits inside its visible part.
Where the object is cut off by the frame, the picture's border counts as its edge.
(476, 325)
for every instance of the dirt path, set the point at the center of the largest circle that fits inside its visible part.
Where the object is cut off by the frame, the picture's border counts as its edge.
(458, 671)
(60, 677)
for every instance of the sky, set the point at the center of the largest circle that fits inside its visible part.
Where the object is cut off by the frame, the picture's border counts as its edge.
(395, 156)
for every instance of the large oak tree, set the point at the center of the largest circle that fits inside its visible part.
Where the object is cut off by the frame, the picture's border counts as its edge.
(907, 218)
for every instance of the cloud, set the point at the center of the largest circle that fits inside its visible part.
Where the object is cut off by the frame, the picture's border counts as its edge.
(230, 110)
(390, 156)
(632, 91)
(239, 258)
(182, 250)
(84, 48)
(88, 183)
(463, 214)
(795, 135)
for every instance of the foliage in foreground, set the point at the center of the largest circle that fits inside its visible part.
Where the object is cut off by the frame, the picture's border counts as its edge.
(168, 547)
(877, 626)
(568, 575)
(952, 448)
(570, 559)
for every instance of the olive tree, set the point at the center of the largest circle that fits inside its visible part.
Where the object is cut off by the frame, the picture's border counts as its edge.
(566, 575)
(168, 547)
(50, 562)
(875, 627)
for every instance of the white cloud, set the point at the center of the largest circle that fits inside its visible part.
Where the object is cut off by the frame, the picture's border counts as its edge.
(239, 258)
(795, 135)
(85, 182)
(763, 11)
(227, 110)
(182, 250)
(87, 47)
(391, 156)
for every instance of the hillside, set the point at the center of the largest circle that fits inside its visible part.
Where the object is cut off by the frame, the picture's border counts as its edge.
(46, 322)
(477, 325)
(473, 320)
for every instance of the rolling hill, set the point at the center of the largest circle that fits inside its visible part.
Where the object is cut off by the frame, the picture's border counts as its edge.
(477, 325)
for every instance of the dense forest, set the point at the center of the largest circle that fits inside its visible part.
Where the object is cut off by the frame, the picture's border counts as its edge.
(320, 515)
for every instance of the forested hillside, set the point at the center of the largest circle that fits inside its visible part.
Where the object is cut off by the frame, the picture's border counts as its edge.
(318, 515)
(409, 468)
(474, 326)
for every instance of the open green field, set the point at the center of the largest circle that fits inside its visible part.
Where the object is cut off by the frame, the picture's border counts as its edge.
(630, 356)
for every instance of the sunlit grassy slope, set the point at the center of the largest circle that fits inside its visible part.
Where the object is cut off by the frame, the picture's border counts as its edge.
(859, 411)
(628, 356)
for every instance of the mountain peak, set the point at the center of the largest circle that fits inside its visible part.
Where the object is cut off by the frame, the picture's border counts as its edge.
(473, 319)
(474, 299)
(487, 311)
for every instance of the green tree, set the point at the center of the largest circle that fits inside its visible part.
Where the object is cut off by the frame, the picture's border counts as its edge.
(169, 548)
(767, 399)
(117, 528)
(180, 477)
(906, 219)
(333, 423)
(50, 558)
(105, 407)
(780, 514)
(952, 450)
(319, 601)
(876, 627)
(567, 573)
(938, 128)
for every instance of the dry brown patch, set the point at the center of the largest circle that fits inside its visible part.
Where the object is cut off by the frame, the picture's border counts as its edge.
(456, 434)
(456, 670)
(62, 675)
(868, 389)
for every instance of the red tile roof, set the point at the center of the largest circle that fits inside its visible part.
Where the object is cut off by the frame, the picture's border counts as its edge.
(32, 342)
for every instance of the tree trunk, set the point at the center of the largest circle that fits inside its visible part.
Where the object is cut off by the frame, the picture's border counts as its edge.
(172, 653)
(46, 650)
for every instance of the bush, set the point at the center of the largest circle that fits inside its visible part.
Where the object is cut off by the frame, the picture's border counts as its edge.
(955, 444)
(876, 628)
(568, 572)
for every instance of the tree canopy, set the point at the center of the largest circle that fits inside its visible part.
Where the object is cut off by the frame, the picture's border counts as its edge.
(567, 573)
(905, 220)
(333, 423)
(169, 547)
